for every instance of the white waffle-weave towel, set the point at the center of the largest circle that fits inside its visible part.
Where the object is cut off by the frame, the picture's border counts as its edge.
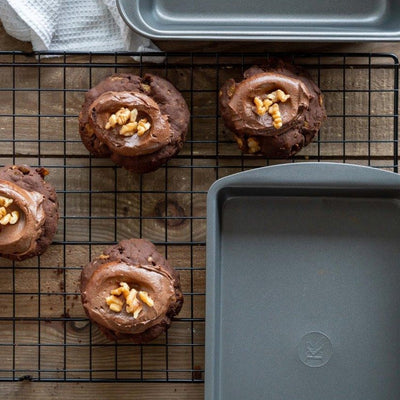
(71, 25)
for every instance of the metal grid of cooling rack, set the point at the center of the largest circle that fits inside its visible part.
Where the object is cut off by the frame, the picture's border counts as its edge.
(44, 334)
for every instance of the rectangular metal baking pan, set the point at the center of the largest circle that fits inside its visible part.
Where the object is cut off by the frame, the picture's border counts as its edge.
(303, 284)
(265, 20)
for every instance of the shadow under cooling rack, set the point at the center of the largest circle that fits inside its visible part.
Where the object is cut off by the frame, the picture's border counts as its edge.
(44, 333)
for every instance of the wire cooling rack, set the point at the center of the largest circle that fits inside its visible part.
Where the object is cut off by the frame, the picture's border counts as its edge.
(44, 334)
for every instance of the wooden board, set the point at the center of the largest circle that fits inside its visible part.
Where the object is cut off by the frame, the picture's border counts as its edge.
(101, 204)
(109, 391)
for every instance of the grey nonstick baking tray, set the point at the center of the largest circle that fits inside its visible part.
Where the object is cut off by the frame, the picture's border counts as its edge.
(286, 20)
(303, 284)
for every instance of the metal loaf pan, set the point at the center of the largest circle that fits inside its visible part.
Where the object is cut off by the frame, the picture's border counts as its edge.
(303, 284)
(286, 20)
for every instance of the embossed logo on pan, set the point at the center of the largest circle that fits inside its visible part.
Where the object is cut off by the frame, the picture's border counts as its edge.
(315, 349)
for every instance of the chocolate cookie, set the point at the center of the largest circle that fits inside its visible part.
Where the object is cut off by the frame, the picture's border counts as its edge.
(140, 123)
(28, 210)
(131, 291)
(274, 111)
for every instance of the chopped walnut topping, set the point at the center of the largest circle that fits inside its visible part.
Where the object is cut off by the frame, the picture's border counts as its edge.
(231, 90)
(270, 104)
(253, 145)
(89, 130)
(276, 116)
(112, 121)
(132, 303)
(115, 303)
(143, 126)
(279, 95)
(133, 115)
(127, 119)
(261, 106)
(104, 257)
(131, 296)
(128, 129)
(5, 201)
(146, 88)
(14, 217)
(144, 296)
(239, 141)
(5, 220)
(122, 115)
(6, 217)
(137, 311)
(123, 289)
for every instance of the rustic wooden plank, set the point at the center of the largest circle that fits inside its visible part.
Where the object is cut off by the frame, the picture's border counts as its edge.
(82, 391)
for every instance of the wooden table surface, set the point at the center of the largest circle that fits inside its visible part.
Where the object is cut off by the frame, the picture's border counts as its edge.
(153, 391)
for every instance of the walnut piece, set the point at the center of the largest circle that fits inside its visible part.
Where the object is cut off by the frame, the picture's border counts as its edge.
(270, 104)
(6, 217)
(253, 145)
(123, 289)
(123, 115)
(231, 90)
(115, 303)
(144, 296)
(5, 201)
(127, 120)
(276, 116)
(145, 87)
(143, 126)
(133, 115)
(112, 121)
(104, 257)
(261, 106)
(131, 297)
(239, 141)
(128, 129)
(14, 217)
(132, 303)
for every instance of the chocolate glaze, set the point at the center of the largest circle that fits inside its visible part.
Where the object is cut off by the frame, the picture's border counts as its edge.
(20, 239)
(129, 262)
(158, 136)
(141, 277)
(246, 121)
(302, 113)
(38, 198)
(172, 107)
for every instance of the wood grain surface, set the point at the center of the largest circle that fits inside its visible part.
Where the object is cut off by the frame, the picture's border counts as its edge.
(101, 204)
